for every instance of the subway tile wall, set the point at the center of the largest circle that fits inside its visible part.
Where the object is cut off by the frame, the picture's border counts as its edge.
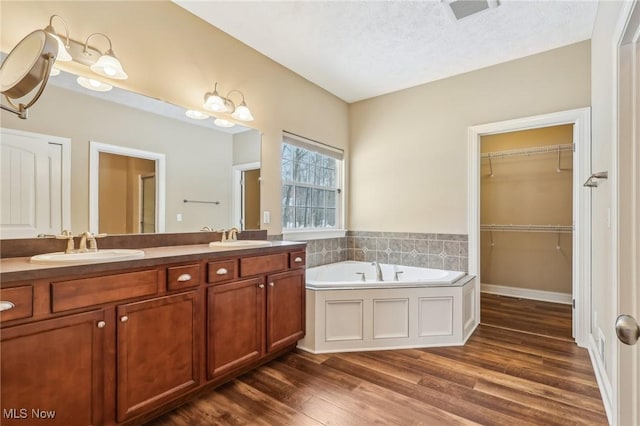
(441, 251)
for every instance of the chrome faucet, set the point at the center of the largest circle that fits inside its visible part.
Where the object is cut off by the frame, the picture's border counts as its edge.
(378, 271)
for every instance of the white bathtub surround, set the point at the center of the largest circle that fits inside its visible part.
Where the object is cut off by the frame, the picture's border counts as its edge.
(387, 315)
(360, 275)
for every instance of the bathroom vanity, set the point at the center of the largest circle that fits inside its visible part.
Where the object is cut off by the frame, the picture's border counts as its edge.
(122, 342)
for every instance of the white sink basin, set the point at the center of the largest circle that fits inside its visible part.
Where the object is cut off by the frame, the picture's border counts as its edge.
(108, 255)
(239, 244)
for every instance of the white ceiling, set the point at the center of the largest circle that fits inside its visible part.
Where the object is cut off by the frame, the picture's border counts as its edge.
(361, 49)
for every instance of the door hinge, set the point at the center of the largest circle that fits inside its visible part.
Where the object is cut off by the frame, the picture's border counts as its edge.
(573, 303)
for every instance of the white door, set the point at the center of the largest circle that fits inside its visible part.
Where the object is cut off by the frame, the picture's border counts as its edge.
(629, 225)
(34, 184)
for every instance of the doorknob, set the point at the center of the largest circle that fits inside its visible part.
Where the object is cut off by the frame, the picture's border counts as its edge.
(627, 329)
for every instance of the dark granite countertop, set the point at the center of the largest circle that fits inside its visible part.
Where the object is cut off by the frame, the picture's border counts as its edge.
(17, 269)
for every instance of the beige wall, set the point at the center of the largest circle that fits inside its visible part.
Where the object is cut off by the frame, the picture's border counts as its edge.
(172, 55)
(527, 190)
(409, 148)
(246, 148)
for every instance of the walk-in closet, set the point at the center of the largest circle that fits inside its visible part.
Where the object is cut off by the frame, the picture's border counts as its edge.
(526, 213)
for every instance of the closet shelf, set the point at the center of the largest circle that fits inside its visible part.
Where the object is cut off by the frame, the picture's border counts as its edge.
(528, 151)
(528, 228)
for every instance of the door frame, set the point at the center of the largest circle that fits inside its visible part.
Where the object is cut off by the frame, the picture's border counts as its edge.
(95, 148)
(237, 191)
(581, 268)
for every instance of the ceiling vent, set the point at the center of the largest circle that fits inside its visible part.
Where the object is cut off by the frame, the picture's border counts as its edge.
(459, 9)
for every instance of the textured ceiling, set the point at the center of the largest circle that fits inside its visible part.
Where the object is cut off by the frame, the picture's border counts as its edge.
(361, 49)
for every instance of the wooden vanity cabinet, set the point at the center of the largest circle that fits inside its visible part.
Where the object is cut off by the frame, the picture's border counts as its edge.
(285, 309)
(122, 347)
(252, 318)
(52, 371)
(157, 356)
(235, 324)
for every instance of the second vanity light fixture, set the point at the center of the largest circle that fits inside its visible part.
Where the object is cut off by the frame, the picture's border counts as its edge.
(103, 64)
(213, 101)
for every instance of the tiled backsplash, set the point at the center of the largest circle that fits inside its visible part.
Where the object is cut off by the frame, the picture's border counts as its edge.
(441, 251)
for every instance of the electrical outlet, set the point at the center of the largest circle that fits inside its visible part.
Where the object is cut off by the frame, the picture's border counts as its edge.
(266, 217)
(179, 217)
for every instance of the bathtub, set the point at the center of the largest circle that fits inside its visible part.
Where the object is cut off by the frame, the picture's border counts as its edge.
(361, 275)
(422, 308)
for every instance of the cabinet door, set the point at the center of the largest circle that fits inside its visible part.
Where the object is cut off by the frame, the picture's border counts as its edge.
(235, 325)
(52, 371)
(285, 309)
(157, 352)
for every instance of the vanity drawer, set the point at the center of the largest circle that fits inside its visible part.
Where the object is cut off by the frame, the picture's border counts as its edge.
(85, 292)
(17, 303)
(297, 259)
(259, 265)
(179, 277)
(225, 270)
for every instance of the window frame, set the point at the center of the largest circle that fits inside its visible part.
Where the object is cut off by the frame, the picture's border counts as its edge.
(310, 233)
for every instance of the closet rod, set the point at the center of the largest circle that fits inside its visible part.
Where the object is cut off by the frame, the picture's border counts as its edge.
(528, 151)
(527, 228)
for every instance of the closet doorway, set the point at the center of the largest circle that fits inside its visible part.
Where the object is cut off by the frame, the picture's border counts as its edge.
(529, 213)
(526, 224)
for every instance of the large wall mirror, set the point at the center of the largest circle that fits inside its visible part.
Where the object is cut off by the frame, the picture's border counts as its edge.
(126, 164)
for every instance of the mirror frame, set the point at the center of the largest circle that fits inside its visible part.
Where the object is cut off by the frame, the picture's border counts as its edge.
(95, 148)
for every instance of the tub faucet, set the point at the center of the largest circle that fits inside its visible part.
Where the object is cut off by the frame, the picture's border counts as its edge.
(378, 271)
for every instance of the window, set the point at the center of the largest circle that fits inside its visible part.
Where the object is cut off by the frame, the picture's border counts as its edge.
(311, 182)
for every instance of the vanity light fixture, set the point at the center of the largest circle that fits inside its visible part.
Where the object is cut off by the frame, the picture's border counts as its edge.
(104, 64)
(93, 84)
(107, 64)
(216, 103)
(63, 49)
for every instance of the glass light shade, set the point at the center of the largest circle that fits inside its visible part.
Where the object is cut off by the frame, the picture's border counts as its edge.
(221, 122)
(109, 66)
(54, 71)
(196, 115)
(214, 102)
(95, 85)
(63, 54)
(242, 113)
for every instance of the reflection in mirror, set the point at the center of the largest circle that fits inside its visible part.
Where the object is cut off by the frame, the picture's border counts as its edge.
(126, 190)
(203, 162)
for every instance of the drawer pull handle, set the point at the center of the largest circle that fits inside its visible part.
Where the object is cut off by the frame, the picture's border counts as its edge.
(5, 305)
(124, 318)
(260, 285)
(102, 324)
(184, 277)
(298, 260)
(271, 284)
(222, 271)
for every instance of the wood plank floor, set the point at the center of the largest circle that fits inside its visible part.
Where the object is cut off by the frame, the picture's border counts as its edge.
(502, 376)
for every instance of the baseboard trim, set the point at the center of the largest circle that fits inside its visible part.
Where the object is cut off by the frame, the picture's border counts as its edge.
(527, 293)
(601, 378)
